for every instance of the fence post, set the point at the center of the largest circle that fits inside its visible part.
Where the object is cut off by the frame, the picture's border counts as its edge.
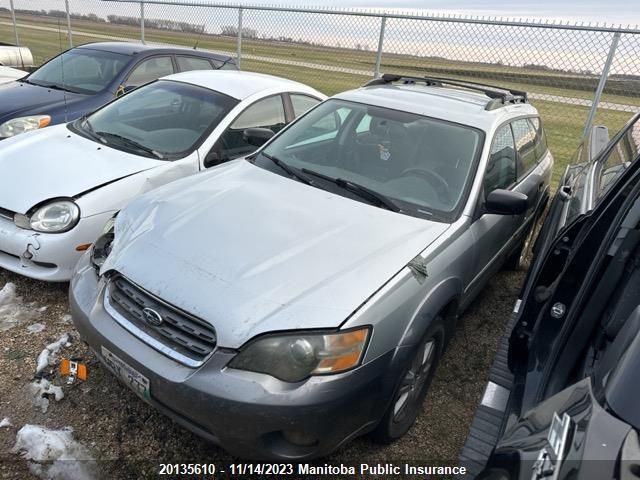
(383, 24)
(601, 84)
(239, 45)
(66, 4)
(13, 18)
(142, 22)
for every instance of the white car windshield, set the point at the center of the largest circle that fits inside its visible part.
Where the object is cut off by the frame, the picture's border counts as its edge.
(421, 165)
(80, 70)
(164, 119)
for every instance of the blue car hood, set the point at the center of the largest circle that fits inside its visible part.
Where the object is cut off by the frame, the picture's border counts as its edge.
(18, 99)
(251, 251)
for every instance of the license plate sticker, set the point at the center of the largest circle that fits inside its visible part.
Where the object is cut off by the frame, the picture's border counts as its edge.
(129, 375)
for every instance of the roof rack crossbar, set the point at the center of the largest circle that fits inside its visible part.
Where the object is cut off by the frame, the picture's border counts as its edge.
(498, 97)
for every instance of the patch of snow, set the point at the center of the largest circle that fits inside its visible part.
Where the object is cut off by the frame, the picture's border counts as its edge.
(41, 390)
(65, 318)
(13, 311)
(48, 355)
(43, 309)
(35, 328)
(54, 454)
(5, 422)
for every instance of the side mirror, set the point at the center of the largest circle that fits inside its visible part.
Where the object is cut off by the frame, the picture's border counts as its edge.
(257, 136)
(506, 202)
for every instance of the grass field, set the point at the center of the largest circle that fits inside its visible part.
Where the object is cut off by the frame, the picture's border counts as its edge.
(564, 122)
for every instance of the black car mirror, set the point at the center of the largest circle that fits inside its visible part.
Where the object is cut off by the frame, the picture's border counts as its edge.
(212, 159)
(257, 136)
(506, 202)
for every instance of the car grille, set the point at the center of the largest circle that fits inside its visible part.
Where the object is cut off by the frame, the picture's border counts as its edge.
(180, 335)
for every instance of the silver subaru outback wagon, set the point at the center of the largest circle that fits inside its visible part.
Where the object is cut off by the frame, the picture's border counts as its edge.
(284, 303)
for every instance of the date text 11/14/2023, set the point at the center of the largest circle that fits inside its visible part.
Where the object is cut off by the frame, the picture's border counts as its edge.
(301, 469)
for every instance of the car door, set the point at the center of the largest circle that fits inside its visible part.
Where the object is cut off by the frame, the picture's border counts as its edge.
(491, 232)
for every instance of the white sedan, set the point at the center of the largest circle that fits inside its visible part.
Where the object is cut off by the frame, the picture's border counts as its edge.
(60, 185)
(8, 74)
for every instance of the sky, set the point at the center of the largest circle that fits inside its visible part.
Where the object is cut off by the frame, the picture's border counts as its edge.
(612, 11)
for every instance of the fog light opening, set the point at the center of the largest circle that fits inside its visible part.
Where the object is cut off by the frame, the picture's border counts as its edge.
(300, 438)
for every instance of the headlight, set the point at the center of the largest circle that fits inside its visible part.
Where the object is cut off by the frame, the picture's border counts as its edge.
(102, 246)
(19, 125)
(292, 357)
(55, 217)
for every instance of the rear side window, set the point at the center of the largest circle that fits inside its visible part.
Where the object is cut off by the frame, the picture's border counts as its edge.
(149, 70)
(302, 103)
(540, 140)
(525, 138)
(501, 168)
(186, 64)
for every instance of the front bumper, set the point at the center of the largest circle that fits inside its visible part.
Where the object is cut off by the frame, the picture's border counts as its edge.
(244, 412)
(46, 256)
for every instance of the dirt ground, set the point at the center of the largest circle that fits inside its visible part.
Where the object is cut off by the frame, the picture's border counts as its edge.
(129, 439)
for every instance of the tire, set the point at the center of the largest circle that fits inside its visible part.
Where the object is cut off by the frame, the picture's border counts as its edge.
(411, 389)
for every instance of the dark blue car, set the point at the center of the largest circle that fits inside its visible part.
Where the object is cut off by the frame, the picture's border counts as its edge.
(82, 79)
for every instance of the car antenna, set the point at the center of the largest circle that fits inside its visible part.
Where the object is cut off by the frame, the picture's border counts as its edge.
(64, 91)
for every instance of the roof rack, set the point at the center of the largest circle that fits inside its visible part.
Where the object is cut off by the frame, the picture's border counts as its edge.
(499, 98)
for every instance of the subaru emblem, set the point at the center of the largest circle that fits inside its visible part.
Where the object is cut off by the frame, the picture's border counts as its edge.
(152, 317)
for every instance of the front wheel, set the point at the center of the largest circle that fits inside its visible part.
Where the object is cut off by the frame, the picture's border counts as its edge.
(412, 387)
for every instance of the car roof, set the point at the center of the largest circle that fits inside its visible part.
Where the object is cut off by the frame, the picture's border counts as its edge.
(133, 48)
(453, 104)
(238, 84)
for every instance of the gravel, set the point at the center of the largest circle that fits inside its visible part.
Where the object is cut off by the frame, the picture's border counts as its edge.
(129, 439)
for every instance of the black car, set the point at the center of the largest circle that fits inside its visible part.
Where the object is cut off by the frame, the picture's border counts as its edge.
(81, 79)
(563, 395)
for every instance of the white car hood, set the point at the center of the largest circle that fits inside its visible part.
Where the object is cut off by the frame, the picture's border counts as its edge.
(8, 74)
(55, 162)
(251, 251)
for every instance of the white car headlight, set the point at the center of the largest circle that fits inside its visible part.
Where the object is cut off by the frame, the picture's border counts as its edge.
(55, 217)
(19, 125)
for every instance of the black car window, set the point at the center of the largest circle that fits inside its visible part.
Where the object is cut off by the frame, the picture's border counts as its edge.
(302, 103)
(265, 113)
(149, 70)
(540, 141)
(623, 152)
(186, 64)
(501, 167)
(525, 137)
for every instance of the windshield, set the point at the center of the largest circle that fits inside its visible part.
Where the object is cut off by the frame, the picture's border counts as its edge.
(164, 119)
(422, 165)
(80, 70)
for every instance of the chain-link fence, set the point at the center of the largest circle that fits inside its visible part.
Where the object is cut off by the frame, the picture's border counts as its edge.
(575, 74)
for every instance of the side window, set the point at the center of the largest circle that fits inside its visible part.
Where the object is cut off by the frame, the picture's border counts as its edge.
(186, 64)
(540, 139)
(302, 103)
(501, 167)
(265, 113)
(524, 136)
(149, 70)
(623, 153)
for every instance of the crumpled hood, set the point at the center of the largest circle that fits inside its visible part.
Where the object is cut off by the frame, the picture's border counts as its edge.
(55, 162)
(19, 98)
(251, 251)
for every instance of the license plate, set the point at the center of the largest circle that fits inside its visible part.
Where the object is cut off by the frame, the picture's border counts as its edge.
(129, 375)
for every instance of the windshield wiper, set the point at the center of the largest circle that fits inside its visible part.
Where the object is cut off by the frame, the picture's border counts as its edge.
(54, 86)
(360, 190)
(289, 169)
(128, 142)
